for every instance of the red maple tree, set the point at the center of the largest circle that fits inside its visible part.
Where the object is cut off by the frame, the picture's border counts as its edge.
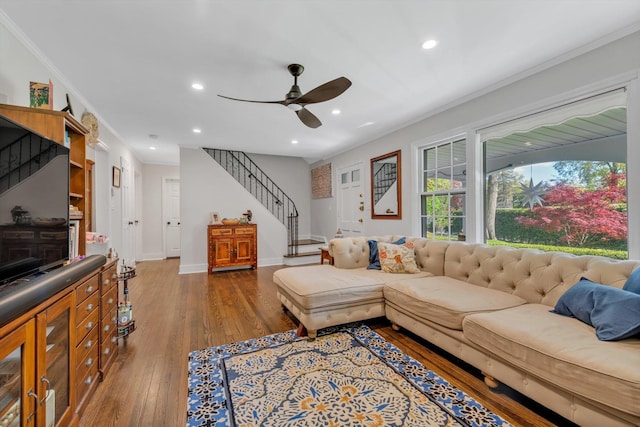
(582, 216)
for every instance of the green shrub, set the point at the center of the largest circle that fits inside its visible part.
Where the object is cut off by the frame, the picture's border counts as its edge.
(610, 253)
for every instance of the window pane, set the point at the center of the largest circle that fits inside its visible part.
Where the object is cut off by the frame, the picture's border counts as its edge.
(444, 179)
(444, 185)
(560, 204)
(429, 159)
(459, 152)
(459, 176)
(444, 155)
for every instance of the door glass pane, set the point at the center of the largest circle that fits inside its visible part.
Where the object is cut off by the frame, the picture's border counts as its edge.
(58, 363)
(355, 175)
(10, 386)
(344, 178)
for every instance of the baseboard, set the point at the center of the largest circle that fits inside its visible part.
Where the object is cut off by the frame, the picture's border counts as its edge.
(153, 256)
(193, 268)
(263, 262)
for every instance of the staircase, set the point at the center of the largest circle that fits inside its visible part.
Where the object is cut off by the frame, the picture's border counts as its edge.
(308, 252)
(256, 182)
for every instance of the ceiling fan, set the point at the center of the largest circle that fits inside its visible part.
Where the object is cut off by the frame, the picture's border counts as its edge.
(297, 101)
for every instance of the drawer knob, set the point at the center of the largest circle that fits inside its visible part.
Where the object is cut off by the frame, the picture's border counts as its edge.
(89, 289)
(88, 381)
(89, 325)
(114, 339)
(89, 307)
(107, 327)
(107, 351)
(89, 362)
(110, 301)
(88, 344)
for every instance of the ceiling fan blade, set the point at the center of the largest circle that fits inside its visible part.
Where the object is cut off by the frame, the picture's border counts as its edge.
(249, 100)
(324, 92)
(308, 118)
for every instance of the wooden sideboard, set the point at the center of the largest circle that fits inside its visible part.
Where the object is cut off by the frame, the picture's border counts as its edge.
(52, 356)
(232, 246)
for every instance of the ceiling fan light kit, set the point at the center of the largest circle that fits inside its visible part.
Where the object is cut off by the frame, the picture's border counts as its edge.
(296, 101)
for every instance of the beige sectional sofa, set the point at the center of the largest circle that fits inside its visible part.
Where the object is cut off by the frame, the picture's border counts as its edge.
(491, 307)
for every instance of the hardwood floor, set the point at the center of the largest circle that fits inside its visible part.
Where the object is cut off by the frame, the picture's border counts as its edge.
(176, 314)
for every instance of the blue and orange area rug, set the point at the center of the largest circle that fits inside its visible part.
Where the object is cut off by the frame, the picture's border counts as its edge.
(348, 376)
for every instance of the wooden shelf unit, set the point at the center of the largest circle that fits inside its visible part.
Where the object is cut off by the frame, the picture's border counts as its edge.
(56, 125)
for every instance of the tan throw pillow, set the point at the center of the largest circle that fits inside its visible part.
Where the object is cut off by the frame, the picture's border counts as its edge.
(397, 258)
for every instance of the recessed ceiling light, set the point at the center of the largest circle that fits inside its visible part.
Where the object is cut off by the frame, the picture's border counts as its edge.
(429, 44)
(152, 148)
(197, 86)
(294, 141)
(366, 124)
(335, 112)
(196, 130)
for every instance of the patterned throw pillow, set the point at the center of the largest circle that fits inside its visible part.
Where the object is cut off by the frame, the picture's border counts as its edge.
(397, 258)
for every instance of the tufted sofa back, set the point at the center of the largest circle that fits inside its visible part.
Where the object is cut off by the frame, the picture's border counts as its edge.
(536, 276)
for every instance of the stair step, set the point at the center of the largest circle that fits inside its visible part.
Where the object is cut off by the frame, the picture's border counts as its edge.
(303, 254)
(309, 242)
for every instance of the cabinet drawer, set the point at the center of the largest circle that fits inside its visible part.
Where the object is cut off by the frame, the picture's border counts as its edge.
(109, 279)
(89, 361)
(109, 301)
(245, 230)
(109, 324)
(87, 306)
(90, 322)
(221, 231)
(88, 345)
(18, 235)
(53, 235)
(108, 349)
(86, 382)
(87, 288)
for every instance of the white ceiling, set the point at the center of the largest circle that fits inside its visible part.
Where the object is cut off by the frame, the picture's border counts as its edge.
(132, 62)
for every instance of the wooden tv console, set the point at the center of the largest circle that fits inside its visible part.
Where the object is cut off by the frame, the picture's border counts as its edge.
(54, 354)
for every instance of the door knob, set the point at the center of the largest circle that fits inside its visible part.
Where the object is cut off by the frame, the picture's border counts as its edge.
(361, 207)
(168, 222)
(360, 220)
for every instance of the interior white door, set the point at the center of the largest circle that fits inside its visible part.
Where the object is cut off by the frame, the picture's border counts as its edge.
(351, 200)
(171, 216)
(128, 250)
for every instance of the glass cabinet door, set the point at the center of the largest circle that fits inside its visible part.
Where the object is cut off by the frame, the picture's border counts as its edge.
(18, 400)
(54, 370)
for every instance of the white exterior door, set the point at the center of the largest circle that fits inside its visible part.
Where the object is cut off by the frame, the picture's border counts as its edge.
(351, 200)
(128, 251)
(171, 216)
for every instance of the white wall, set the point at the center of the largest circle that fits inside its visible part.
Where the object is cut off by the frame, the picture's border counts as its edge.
(21, 65)
(205, 187)
(595, 70)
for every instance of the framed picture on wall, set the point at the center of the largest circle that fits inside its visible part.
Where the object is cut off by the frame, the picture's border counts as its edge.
(116, 177)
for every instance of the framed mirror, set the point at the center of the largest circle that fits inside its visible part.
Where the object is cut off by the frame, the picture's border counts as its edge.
(386, 188)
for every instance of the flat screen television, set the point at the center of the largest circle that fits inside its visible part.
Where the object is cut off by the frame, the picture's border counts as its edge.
(34, 202)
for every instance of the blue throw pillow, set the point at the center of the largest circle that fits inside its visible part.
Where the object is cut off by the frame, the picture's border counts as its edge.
(374, 257)
(633, 282)
(613, 312)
